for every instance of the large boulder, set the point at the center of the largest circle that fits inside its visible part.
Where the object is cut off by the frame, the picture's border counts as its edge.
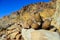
(31, 34)
(44, 35)
(26, 33)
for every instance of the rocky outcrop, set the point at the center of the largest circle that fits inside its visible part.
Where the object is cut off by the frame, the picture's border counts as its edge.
(44, 35)
(56, 16)
(39, 21)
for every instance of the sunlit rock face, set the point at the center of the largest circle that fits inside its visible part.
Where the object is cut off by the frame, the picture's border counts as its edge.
(36, 13)
(56, 16)
(44, 35)
(29, 22)
(31, 34)
(26, 33)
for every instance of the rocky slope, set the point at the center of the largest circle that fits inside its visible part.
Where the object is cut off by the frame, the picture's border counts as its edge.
(39, 18)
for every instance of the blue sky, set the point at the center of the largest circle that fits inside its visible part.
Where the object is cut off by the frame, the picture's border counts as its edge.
(9, 6)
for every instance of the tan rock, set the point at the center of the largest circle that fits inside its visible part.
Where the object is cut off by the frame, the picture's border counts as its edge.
(35, 26)
(46, 24)
(44, 35)
(26, 33)
(56, 16)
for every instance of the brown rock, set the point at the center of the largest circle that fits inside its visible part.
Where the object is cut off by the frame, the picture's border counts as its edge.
(46, 24)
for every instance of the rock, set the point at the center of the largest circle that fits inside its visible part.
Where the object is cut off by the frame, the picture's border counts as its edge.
(3, 37)
(13, 30)
(26, 33)
(56, 16)
(35, 26)
(30, 18)
(46, 24)
(44, 35)
(31, 34)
